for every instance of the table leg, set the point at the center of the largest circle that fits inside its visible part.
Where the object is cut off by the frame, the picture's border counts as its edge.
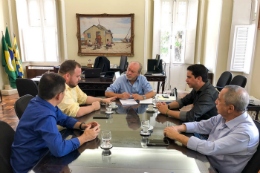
(163, 83)
(158, 87)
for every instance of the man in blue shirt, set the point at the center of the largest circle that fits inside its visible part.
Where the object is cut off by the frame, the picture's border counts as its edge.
(131, 84)
(233, 136)
(37, 129)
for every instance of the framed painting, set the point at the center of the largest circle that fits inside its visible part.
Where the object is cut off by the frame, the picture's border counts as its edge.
(105, 34)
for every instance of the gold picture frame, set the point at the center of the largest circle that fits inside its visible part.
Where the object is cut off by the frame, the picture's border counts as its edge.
(105, 34)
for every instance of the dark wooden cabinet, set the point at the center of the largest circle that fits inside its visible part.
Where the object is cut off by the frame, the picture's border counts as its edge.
(37, 70)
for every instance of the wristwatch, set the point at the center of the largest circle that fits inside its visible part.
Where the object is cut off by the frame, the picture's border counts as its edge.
(80, 126)
(144, 97)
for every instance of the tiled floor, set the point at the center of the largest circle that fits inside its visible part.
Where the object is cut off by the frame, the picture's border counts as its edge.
(7, 112)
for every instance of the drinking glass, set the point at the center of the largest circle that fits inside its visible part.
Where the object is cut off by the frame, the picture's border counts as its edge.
(145, 126)
(108, 107)
(156, 99)
(106, 138)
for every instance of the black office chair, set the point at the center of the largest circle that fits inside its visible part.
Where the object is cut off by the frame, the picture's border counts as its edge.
(239, 80)
(253, 165)
(26, 86)
(224, 80)
(6, 140)
(123, 63)
(21, 104)
(103, 63)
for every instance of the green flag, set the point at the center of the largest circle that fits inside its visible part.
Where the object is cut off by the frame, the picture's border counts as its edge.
(7, 63)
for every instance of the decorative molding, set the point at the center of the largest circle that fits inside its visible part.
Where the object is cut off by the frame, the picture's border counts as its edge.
(63, 18)
(249, 78)
(216, 62)
(201, 24)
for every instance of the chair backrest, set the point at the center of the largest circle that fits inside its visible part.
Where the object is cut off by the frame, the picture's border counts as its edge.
(224, 80)
(239, 80)
(253, 165)
(21, 104)
(103, 63)
(26, 86)
(123, 63)
(6, 140)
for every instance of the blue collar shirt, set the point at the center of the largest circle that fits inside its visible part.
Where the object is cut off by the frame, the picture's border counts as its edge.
(122, 84)
(233, 142)
(37, 131)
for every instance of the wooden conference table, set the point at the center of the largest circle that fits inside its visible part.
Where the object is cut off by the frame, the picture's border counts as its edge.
(130, 153)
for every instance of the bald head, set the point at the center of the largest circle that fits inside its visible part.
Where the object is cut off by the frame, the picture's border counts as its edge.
(236, 96)
(136, 63)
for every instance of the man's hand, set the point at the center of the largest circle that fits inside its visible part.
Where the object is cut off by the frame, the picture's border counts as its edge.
(109, 100)
(91, 125)
(162, 107)
(125, 95)
(96, 105)
(137, 97)
(171, 132)
(90, 134)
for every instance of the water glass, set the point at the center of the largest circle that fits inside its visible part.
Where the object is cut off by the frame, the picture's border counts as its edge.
(156, 99)
(106, 138)
(108, 107)
(145, 125)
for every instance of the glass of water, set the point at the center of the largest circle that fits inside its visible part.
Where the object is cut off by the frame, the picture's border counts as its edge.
(108, 107)
(145, 126)
(156, 99)
(106, 138)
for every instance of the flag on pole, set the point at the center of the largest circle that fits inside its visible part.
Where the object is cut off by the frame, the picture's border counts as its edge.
(7, 63)
(10, 48)
(18, 62)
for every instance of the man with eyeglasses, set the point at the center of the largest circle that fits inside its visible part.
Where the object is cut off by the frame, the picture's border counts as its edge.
(132, 84)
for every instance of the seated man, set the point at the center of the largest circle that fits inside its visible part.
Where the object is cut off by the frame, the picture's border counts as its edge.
(131, 84)
(233, 136)
(70, 70)
(202, 97)
(37, 129)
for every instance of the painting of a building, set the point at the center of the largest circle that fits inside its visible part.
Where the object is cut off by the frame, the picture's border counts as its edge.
(98, 32)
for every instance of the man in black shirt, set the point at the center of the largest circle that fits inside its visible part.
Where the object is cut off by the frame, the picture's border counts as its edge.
(203, 97)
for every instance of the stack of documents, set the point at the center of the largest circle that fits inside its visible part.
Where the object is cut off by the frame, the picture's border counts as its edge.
(170, 99)
(127, 102)
(146, 101)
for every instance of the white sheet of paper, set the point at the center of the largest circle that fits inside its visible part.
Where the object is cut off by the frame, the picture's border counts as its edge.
(128, 102)
(146, 101)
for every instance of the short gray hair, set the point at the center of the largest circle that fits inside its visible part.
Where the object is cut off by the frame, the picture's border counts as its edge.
(140, 66)
(236, 96)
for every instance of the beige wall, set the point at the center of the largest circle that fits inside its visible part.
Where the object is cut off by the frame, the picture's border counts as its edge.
(99, 7)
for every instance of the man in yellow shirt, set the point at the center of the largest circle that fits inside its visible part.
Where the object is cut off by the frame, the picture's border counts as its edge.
(70, 70)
